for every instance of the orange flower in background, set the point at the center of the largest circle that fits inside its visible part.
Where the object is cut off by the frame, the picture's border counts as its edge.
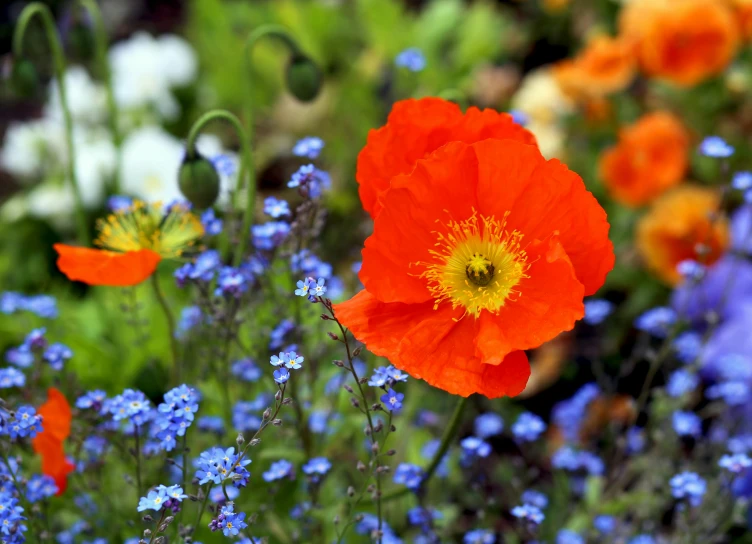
(414, 129)
(56, 423)
(744, 15)
(134, 241)
(605, 66)
(650, 157)
(679, 227)
(482, 251)
(682, 41)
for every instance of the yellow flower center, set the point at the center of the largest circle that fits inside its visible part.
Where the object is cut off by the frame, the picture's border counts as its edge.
(147, 226)
(477, 265)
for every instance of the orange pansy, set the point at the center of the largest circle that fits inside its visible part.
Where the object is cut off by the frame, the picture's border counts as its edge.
(679, 227)
(482, 251)
(605, 66)
(56, 422)
(682, 41)
(416, 128)
(650, 157)
(102, 267)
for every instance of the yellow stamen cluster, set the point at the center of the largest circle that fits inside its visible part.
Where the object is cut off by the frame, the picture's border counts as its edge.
(149, 226)
(477, 264)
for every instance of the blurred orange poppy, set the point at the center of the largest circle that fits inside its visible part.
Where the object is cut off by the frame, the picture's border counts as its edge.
(134, 241)
(605, 66)
(416, 128)
(679, 227)
(744, 15)
(482, 251)
(56, 423)
(650, 157)
(682, 41)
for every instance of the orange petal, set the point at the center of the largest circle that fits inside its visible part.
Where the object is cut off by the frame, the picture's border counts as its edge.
(432, 345)
(545, 198)
(549, 302)
(56, 422)
(99, 267)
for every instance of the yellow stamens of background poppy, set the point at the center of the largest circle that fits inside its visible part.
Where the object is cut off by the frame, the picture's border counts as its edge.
(148, 226)
(478, 264)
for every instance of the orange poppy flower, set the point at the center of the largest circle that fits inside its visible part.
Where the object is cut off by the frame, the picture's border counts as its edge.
(134, 241)
(650, 157)
(744, 16)
(482, 251)
(605, 66)
(679, 228)
(414, 129)
(56, 422)
(682, 41)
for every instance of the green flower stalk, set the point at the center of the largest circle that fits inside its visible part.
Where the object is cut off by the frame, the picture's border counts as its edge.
(303, 80)
(58, 60)
(101, 43)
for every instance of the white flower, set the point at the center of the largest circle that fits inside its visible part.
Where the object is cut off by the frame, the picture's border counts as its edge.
(30, 149)
(151, 160)
(541, 98)
(96, 158)
(87, 100)
(144, 69)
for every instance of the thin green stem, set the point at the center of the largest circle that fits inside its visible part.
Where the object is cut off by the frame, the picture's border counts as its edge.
(137, 455)
(446, 441)
(58, 61)
(177, 366)
(264, 31)
(101, 43)
(246, 165)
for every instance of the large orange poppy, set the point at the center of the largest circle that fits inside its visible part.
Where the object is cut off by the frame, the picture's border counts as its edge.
(414, 129)
(56, 423)
(682, 41)
(482, 251)
(679, 227)
(650, 157)
(133, 240)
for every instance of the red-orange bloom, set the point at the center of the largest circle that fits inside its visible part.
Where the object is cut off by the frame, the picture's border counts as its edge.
(683, 41)
(133, 241)
(651, 156)
(102, 267)
(416, 128)
(482, 251)
(605, 66)
(679, 227)
(56, 423)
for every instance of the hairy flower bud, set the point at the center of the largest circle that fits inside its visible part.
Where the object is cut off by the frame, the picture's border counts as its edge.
(198, 180)
(303, 78)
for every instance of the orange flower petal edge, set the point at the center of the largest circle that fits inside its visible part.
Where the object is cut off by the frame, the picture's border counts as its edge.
(482, 251)
(650, 157)
(56, 423)
(101, 267)
(676, 226)
(414, 129)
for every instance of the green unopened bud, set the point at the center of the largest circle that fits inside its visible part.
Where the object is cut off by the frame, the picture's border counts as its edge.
(303, 78)
(81, 41)
(198, 180)
(24, 78)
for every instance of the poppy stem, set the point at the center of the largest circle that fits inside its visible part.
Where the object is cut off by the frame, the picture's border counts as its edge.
(58, 61)
(101, 43)
(246, 165)
(446, 441)
(177, 366)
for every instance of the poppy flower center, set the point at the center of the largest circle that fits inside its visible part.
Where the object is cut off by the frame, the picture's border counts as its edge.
(480, 270)
(147, 226)
(477, 264)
